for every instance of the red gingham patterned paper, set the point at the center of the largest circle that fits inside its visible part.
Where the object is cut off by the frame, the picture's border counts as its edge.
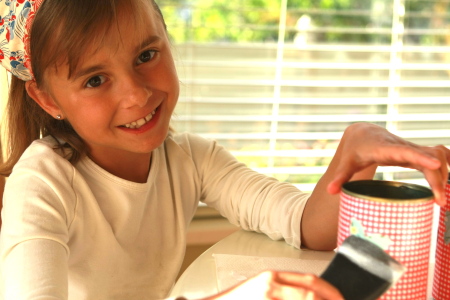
(441, 280)
(408, 225)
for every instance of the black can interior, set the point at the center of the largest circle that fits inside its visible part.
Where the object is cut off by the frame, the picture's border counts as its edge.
(387, 190)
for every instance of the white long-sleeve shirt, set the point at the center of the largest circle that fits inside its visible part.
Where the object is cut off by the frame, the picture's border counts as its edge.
(79, 232)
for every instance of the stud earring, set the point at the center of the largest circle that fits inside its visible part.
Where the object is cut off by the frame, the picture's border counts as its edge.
(58, 117)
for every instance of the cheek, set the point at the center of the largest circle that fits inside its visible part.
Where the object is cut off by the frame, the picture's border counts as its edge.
(175, 88)
(167, 67)
(89, 121)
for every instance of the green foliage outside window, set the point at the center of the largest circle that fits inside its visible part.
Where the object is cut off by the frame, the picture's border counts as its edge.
(258, 20)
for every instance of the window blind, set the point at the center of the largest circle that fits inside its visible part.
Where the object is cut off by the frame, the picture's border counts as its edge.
(277, 85)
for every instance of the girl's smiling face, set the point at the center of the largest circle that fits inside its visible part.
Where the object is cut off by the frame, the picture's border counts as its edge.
(121, 96)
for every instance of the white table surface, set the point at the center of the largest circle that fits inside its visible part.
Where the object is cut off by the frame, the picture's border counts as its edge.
(200, 279)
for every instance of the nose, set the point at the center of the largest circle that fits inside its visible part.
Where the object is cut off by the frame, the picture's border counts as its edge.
(135, 90)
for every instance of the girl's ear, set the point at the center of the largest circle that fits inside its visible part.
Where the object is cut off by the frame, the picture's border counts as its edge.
(42, 98)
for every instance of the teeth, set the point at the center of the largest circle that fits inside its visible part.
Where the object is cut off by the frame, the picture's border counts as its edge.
(141, 122)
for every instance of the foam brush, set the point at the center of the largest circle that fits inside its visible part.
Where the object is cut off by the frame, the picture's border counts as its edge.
(361, 270)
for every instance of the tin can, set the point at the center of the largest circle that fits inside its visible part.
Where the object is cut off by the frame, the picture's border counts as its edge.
(441, 280)
(398, 217)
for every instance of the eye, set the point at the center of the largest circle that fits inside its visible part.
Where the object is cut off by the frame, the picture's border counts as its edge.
(145, 56)
(95, 81)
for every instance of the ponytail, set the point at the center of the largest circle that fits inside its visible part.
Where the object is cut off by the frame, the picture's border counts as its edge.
(21, 127)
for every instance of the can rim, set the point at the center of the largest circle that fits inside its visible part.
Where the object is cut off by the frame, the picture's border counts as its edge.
(345, 189)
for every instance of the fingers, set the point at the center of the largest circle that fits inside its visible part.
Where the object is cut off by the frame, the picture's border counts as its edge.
(435, 181)
(307, 285)
(288, 292)
(272, 285)
(445, 154)
(431, 161)
(438, 179)
(335, 185)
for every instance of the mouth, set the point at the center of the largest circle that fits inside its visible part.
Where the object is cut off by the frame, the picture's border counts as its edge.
(141, 122)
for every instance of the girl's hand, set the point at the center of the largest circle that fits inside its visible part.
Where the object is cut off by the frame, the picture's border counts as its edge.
(364, 145)
(281, 285)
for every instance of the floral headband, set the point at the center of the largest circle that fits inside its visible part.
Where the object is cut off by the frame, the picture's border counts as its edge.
(16, 17)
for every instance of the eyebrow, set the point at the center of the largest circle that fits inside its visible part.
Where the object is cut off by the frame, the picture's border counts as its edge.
(92, 69)
(147, 42)
(89, 70)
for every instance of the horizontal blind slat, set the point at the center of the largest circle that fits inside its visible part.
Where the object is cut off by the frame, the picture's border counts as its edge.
(319, 118)
(322, 83)
(318, 101)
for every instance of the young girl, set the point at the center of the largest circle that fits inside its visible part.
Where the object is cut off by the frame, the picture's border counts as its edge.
(101, 191)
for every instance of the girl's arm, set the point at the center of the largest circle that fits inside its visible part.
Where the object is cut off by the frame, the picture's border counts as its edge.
(34, 235)
(33, 255)
(363, 147)
(34, 269)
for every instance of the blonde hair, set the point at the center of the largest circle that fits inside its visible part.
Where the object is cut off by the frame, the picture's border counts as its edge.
(60, 29)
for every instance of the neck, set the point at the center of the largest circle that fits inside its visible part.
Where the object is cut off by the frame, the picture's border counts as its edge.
(133, 168)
